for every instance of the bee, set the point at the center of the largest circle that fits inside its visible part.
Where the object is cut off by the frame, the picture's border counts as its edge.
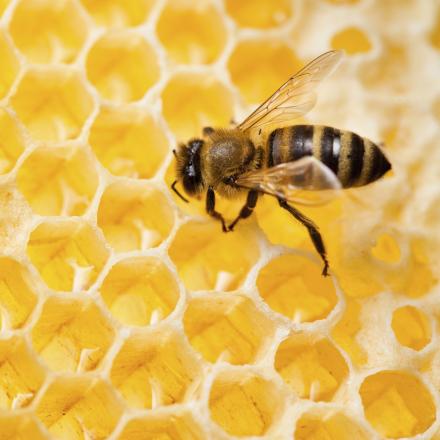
(266, 154)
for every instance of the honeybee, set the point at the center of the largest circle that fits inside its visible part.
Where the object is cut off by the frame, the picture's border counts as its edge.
(263, 155)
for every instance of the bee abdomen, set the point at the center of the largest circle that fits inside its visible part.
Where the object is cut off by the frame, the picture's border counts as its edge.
(355, 160)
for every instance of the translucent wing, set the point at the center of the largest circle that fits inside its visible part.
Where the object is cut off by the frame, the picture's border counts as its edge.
(296, 96)
(306, 181)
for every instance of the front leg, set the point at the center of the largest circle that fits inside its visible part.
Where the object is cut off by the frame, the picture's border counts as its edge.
(247, 209)
(210, 208)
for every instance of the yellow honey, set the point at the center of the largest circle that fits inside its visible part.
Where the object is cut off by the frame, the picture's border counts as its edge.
(126, 314)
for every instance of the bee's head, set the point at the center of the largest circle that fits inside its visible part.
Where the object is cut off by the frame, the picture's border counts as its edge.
(188, 168)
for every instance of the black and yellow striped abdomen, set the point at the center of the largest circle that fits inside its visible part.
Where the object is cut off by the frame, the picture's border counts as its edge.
(355, 160)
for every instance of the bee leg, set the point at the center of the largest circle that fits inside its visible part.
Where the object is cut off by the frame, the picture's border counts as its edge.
(313, 232)
(210, 208)
(247, 209)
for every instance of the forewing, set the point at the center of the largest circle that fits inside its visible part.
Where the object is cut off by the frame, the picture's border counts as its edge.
(296, 96)
(307, 181)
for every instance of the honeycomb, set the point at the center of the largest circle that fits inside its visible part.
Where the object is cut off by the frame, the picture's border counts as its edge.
(127, 314)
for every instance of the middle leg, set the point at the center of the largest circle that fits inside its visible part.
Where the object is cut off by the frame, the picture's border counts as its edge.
(210, 208)
(247, 209)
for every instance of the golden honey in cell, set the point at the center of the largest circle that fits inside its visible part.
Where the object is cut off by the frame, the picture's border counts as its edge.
(263, 155)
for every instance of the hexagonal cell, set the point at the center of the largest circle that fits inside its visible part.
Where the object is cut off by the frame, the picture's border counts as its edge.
(192, 101)
(169, 426)
(71, 334)
(293, 286)
(65, 408)
(118, 13)
(17, 295)
(255, 68)
(20, 374)
(328, 424)
(343, 2)
(154, 369)
(48, 32)
(122, 66)
(53, 103)
(411, 327)
(128, 142)
(262, 14)
(245, 404)
(228, 327)
(140, 291)
(10, 66)
(352, 40)
(313, 369)
(21, 427)
(67, 253)
(397, 404)
(12, 143)
(207, 258)
(418, 278)
(58, 181)
(386, 249)
(345, 332)
(201, 39)
(134, 216)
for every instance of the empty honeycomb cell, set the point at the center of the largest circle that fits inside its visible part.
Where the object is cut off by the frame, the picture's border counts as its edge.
(76, 408)
(202, 37)
(168, 426)
(21, 376)
(343, 2)
(11, 142)
(17, 294)
(312, 369)
(52, 102)
(68, 254)
(10, 66)
(207, 258)
(118, 13)
(397, 404)
(328, 425)
(58, 181)
(49, 32)
(21, 427)
(128, 142)
(192, 101)
(345, 332)
(411, 327)
(133, 216)
(245, 404)
(386, 249)
(226, 327)
(256, 69)
(293, 286)
(262, 14)
(140, 291)
(418, 278)
(154, 369)
(352, 40)
(122, 66)
(71, 335)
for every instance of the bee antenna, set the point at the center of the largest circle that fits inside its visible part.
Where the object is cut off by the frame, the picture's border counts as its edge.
(175, 155)
(173, 187)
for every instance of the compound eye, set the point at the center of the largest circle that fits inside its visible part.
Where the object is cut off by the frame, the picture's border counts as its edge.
(191, 184)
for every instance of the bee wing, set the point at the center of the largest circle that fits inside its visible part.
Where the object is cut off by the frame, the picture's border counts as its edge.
(296, 96)
(306, 181)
